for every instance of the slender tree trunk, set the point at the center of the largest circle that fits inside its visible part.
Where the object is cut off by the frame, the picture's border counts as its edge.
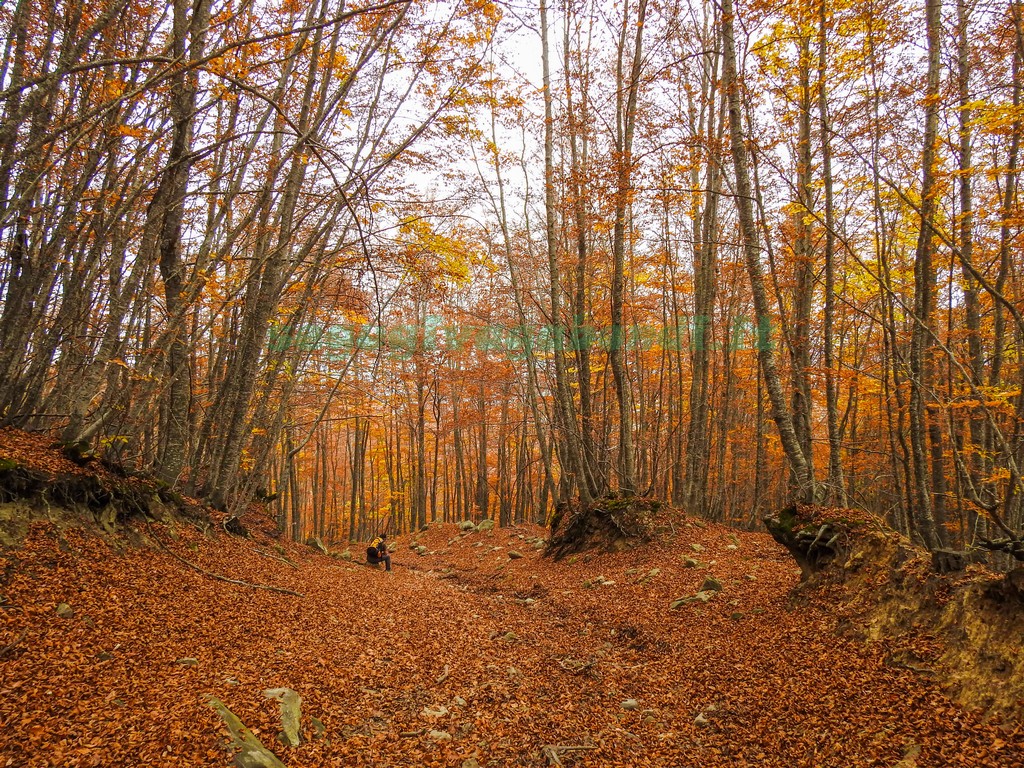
(922, 364)
(419, 513)
(356, 469)
(164, 229)
(533, 387)
(459, 505)
(892, 388)
(718, 509)
(581, 335)
(626, 98)
(972, 311)
(435, 472)
(504, 480)
(751, 251)
(836, 481)
(482, 487)
(803, 267)
(569, 448)
(1008, 202)
(698, 434)
(759, 456)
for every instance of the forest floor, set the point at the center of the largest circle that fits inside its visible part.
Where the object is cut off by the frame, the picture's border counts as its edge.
(462, 656)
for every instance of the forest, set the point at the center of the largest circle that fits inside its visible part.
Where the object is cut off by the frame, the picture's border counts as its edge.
(670, 351)
(412, 261)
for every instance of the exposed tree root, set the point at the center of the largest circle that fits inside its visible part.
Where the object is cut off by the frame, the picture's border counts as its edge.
(815, 536)
(608, 524)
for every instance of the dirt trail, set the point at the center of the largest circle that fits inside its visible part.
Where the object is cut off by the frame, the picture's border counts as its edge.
(462, 654)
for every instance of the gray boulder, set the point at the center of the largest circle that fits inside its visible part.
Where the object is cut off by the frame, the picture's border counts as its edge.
(711, 584)
(701, 597)
(291, 714)
(315, 542)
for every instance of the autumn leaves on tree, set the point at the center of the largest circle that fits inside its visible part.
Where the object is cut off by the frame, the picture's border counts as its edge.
(448, 260)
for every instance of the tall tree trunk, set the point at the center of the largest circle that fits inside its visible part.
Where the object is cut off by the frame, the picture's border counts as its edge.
(1008, 201)
(581, 334)
(751, 251)
(532, 384)
(803, 267)
(504, 480)
(922, 362)
(419, 513)
(435, 472)
(626, 98)
(164, 228)
(836, 481)
(892, 389)
(972, 311)
(698, 434)
(482, 487)
(569, 449)
(972, 316)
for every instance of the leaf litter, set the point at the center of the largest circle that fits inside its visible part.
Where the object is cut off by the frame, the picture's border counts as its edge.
(460, 656)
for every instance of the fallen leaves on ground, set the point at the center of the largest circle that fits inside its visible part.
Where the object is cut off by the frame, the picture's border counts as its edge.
(461, 654)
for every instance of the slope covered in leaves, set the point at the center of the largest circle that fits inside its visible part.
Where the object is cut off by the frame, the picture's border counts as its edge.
(462, 656)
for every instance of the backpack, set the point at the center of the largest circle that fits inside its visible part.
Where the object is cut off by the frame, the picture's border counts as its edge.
(373, 552)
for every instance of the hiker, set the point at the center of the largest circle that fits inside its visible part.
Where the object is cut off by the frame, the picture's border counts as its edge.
(377, 552)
